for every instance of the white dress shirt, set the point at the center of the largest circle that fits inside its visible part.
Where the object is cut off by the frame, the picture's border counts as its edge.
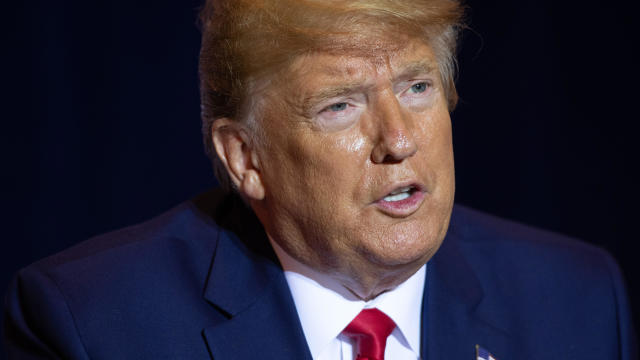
(325, 308)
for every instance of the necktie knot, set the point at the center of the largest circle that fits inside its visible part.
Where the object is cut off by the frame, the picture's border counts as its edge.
(370, 330)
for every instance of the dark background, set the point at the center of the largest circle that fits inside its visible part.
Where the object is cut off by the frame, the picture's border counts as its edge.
(101, 128)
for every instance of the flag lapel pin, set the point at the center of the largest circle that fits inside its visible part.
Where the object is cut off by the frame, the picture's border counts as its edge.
(483, 354)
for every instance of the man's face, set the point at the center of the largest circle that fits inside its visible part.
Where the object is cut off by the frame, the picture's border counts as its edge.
(357, 164)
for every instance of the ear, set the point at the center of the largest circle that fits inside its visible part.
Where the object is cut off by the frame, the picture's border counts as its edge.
(237, 153)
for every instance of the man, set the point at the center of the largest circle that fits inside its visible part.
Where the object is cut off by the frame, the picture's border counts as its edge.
(334, 235)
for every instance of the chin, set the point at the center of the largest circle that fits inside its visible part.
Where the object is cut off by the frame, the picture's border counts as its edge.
(413, 241)
(406, 244)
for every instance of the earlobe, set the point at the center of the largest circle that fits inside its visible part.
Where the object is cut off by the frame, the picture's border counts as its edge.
(252, 185)
(236, 151)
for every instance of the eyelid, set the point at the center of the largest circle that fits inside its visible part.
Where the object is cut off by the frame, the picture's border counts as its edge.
(328, 107)
(421, 81)
(337, 120)
(350, 100)
(406, 85)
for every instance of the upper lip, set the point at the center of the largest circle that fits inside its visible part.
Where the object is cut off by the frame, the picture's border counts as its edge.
(417, 186)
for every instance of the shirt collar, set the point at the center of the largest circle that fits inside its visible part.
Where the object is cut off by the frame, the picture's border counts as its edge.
(325, 307)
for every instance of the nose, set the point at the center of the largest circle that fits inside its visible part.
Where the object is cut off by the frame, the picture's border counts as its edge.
(394, 139)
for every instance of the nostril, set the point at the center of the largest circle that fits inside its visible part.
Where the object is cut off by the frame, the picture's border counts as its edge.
(390, 159)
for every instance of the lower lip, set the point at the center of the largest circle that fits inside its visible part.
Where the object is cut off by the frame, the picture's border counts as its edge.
(403, 207)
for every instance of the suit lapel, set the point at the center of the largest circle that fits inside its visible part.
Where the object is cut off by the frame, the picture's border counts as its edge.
(453, 320)
(252, 293)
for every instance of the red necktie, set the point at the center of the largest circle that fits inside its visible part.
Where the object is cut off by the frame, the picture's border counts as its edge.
(370, 330)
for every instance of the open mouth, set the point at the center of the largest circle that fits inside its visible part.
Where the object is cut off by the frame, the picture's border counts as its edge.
(400, 194)
(402, 201)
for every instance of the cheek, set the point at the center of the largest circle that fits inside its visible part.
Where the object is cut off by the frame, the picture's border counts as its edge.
(331, 172)
(323, 168)
(434, 136)
(444, 144)
(331, 158)
(351, 145)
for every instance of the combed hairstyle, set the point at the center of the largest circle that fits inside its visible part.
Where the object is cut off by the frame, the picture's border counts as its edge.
(244, 41)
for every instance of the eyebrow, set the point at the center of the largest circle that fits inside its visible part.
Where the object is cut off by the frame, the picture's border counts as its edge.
(416, 68)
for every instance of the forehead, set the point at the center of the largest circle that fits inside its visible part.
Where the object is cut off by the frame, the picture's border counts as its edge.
(413, 56)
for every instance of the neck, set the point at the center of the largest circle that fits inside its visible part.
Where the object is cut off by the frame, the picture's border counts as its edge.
(352, 285)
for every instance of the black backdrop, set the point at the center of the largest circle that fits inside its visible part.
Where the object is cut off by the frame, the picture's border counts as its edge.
(101, 119)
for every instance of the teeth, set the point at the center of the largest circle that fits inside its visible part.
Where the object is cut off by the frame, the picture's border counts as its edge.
(399, 194)
(401, 190)
(398, 197)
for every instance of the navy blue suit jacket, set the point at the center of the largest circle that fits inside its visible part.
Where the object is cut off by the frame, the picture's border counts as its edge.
(201, 282)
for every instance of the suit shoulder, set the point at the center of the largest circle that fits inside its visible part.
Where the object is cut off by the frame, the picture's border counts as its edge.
(479, 229)
(511, 250)
(180, 224)
(188, 231)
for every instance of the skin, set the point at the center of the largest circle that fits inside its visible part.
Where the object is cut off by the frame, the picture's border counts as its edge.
(337, 133)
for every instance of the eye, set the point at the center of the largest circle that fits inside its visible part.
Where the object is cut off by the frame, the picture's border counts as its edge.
(339, 115)
(418, 95)
(337, 107)
(419, 87)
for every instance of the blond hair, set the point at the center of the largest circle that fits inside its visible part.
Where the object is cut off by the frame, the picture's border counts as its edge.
(246, 40)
